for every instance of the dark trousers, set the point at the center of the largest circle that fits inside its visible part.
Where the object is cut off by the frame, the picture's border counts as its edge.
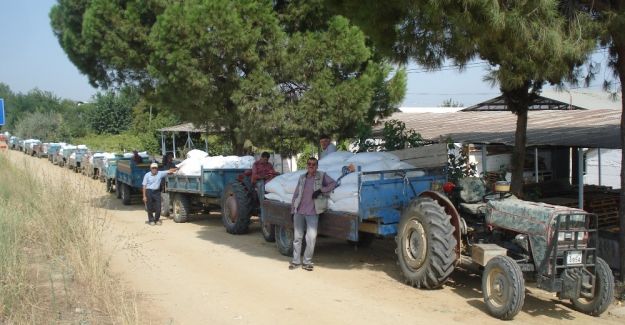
(154, 204)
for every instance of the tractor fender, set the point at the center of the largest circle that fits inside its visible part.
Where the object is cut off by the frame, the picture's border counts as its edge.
(451, 211)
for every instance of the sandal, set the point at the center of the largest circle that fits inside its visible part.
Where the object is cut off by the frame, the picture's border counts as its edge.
(293, 266)
(307, 267)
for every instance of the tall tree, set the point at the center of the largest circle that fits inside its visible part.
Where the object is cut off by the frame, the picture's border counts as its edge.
(247, 68)
(610, 14)
(526, 43)
(112, 112)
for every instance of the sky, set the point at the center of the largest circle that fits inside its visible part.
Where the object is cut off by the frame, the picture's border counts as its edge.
(31, 57)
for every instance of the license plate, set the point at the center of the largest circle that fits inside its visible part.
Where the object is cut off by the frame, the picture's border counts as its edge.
(574, 257)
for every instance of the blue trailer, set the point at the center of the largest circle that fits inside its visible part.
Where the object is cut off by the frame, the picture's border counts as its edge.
(109, 173)
(186, 192)
(381, 201)
(129, 178)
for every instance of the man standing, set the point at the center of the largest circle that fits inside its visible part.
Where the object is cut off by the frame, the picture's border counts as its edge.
(326, 146)
(262, 168)
(152, 194)
(309, 200)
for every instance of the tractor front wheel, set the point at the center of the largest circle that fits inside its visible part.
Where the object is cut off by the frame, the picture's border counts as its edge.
(503, 287)
(604, 291)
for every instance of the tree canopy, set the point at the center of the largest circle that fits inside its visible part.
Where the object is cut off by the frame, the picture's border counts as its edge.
(249, 69)
(526, 44)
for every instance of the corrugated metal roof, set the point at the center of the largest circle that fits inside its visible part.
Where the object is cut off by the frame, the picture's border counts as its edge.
(575, 128)
(185, 127)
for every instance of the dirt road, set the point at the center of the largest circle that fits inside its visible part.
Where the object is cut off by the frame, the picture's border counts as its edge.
(196, 273)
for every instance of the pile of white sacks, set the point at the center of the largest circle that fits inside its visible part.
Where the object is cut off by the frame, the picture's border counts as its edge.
(198, 159)
(345, 197)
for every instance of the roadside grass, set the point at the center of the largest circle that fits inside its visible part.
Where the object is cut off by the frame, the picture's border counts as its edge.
(53, 265)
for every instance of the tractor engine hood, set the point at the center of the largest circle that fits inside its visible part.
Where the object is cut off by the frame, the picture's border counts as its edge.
(535, 219)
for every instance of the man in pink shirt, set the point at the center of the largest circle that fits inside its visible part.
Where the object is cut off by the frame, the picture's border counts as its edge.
(262, 168)
(309, 201)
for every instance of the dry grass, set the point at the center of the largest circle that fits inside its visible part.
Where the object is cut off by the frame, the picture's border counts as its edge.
(53, 267)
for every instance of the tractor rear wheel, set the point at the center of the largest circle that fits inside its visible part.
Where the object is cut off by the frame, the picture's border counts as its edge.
(503, 287)
(425, 244)
(236, 208)
(604, 291)
(180, 208)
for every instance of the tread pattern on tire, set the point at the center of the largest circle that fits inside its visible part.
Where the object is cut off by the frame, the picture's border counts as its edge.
(441, 253)
(604, 286)
(511, 269)
(283, 243)
(244, 203)
(181, 210)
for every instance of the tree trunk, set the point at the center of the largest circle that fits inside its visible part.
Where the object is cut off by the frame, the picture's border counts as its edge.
(619, 45)
(518, 154)
(518, 101)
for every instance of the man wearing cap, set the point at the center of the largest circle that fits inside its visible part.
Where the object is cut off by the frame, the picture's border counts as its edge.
(152, 194)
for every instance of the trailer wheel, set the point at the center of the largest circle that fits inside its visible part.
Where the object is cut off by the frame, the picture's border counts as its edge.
(604, 291)
(236, 208)
(268, 230)
(284, 240)
(180, 208)
(118, 190)
(425, 244)
(125, 194)
(503, 287)
(109, 185)
(165, 204)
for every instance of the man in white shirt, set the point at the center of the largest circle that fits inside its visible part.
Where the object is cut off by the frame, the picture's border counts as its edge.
(152, 194)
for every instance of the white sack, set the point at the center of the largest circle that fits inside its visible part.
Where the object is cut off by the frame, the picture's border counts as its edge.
(189, 167)
(196, 154)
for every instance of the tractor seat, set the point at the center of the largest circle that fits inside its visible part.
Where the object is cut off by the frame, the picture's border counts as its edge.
(472, 194)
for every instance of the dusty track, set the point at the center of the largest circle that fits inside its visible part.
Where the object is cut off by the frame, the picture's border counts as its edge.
(196, 273)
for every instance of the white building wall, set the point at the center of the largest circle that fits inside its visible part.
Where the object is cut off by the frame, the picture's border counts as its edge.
(610, 167)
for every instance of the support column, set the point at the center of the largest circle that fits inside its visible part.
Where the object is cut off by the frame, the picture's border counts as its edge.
(599, 164)
(536, 164)
(484, 161)
(580, 177)
(173, 137)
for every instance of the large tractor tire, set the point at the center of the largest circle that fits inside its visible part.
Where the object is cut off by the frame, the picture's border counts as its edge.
(284, 240)
(604, 291)
(503, 287)
(180, 208)
(165, 204)
(425, 244)
(125, 194)
(236, 208)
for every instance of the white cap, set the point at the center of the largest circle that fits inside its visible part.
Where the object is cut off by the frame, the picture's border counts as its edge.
(154, 165)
